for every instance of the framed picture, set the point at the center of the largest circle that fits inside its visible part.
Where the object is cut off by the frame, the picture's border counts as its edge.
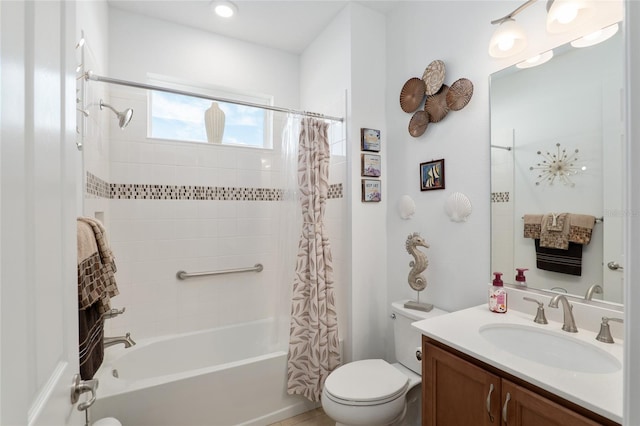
(370, 139)
(432, 175)
(371, 190)
(370, 165)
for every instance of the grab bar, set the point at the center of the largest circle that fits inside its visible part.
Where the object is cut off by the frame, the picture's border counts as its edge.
(182, 275)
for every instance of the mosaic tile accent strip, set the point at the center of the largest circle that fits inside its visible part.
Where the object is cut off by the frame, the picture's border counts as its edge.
(97, 186)
(100, 188)
(335, 191)
(195, 192)
(500, 197)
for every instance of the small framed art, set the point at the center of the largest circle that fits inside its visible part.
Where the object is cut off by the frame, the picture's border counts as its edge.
(371, 190)
(432, 175)
(370, 139)
(371, 165)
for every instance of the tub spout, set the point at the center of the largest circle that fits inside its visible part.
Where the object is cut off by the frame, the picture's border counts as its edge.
(126, 340)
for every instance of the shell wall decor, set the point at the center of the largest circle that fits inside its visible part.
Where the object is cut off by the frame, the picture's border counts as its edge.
(458, 207)
(439, 98)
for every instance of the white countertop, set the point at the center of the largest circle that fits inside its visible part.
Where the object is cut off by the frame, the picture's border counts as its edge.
(598, 392)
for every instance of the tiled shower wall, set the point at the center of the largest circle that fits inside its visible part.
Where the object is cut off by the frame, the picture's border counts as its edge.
(197, 207)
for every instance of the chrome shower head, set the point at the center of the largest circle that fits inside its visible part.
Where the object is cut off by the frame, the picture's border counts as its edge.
(124, 117)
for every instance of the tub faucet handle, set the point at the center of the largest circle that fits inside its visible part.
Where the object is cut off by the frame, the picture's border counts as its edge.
(540, 316)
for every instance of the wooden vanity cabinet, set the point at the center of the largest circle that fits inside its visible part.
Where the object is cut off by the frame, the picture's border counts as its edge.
(458, 390)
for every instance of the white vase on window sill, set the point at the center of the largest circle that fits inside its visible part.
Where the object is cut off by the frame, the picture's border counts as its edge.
(214, 123)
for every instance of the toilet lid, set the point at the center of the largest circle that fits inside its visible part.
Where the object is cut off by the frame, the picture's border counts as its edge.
(370, 380)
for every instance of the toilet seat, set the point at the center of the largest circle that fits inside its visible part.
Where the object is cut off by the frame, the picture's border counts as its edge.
(366, 382)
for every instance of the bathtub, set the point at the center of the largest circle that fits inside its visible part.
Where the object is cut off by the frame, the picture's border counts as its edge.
(224, 376)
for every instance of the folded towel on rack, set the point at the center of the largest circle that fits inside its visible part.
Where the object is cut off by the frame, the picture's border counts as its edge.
(96, 266)
(580, 229)
(554, 231)
(532, 225)
(567, 261)
(96, 286)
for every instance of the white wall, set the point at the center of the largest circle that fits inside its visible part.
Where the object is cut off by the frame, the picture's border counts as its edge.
(197, 56)
(370, 307)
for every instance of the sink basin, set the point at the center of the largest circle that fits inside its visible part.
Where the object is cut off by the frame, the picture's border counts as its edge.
(550, 348)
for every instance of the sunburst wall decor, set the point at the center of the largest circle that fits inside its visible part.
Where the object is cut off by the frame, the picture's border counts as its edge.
(559, 165)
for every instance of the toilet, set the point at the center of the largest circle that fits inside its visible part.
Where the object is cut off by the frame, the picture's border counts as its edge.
(373, 392)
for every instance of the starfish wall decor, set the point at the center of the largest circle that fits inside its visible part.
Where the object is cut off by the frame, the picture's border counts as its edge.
(560, 165)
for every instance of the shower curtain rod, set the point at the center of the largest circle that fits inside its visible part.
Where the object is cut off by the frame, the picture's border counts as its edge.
(89, 75)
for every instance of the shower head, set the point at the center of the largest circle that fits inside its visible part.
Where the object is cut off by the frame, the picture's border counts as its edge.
(124, 117)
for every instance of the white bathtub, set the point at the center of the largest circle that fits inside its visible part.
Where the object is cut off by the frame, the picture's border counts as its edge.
(219, 377)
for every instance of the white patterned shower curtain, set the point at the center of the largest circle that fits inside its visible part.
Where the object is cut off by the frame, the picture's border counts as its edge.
(313, 339)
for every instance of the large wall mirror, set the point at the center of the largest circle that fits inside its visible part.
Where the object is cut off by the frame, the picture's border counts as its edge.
(569, 107)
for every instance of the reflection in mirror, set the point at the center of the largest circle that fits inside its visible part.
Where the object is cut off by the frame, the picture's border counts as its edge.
(556, 147)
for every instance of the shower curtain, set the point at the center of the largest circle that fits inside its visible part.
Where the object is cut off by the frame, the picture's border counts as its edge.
(313, 341)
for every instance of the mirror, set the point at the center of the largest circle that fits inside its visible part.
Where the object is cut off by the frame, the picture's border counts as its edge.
(569, 107)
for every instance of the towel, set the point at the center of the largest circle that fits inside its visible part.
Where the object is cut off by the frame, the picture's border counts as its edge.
(580, 228)
(554, 231)
(567, 261)
(96, 286)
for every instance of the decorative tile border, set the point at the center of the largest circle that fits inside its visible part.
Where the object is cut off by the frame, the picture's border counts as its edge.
(500, 197)
(97, 186)
(100, 188)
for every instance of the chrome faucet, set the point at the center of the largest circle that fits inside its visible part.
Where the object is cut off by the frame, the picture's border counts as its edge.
(126, 340)
(569, 323)
(595, 288)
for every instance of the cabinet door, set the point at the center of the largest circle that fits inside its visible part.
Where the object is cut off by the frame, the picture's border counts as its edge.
(521, 407)
(456, 392)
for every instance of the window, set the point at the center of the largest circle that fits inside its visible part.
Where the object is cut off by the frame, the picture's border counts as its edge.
(181, 117)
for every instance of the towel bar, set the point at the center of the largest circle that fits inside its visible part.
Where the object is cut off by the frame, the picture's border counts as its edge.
(182, 275)
(598, 219)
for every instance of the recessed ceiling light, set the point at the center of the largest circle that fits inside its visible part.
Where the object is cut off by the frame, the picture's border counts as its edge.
(224, 9)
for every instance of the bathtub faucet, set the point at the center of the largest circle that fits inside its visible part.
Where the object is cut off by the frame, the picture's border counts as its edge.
(126, 340)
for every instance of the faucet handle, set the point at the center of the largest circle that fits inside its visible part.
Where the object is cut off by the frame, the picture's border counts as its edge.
(540, 317)
(605, 332)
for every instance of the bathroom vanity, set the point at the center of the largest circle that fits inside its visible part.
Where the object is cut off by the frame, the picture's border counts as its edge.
(481, 368)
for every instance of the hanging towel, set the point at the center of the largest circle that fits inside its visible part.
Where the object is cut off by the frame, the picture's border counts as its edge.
(532, 225)
(567, 261)
(96, 286)
(555, 231)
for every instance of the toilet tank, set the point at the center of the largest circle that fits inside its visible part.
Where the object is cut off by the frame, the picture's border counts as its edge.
(408, 339)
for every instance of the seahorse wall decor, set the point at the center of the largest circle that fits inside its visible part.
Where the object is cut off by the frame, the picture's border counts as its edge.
(417, 281)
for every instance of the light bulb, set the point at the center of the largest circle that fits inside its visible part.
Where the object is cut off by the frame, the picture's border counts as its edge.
(505, 43)
(224, 11)
(567, 13)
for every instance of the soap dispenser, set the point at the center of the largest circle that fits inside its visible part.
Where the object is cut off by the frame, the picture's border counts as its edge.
(520, 278)
(497, 295)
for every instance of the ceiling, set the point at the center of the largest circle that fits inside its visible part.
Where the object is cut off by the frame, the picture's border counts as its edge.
(288, 25)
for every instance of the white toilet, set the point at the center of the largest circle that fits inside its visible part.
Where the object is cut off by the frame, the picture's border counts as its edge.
(372, 392)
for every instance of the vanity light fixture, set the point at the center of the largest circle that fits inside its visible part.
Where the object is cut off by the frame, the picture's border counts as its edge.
(509, 38)
(596, 37)
(536, 60)
(564, 15)
(224, 9)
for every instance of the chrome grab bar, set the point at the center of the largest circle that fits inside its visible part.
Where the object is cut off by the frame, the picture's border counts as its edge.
(182, 275)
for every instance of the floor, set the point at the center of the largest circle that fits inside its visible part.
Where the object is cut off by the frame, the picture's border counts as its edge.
(315, 417)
